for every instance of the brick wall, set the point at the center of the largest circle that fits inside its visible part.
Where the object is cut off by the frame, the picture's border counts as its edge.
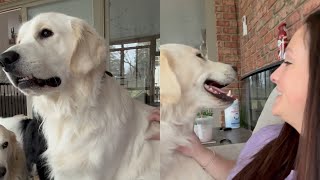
(227, 34)
(228, 39)
(259, 47)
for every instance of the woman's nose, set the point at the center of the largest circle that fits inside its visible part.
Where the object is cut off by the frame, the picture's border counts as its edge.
(275, 75)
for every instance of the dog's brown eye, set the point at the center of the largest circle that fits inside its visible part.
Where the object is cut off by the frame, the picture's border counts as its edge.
(5, 145)
(45, 33)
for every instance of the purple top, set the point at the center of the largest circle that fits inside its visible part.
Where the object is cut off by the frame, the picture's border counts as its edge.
(256, 142)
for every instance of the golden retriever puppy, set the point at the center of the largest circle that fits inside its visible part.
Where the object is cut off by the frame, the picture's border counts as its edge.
(189, 82)
(94, 130)
(12, 159)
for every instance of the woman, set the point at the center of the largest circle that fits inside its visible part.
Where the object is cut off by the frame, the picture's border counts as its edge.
(292, 150)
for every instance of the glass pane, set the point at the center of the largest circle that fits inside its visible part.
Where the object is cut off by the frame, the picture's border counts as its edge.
(157, 44)
(115, 63)
(116, 46)
(137, 44)
(136, 68)
(157, 80)
(257, 89)
(130, 68)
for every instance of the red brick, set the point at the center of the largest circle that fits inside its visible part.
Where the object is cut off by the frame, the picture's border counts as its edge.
(234, 38)
(263, 31)
(231, 59)
(273, 45)
(218, 2)
(266, 17)
(231, 44)
(223, 37)
(273, 22)
(231, 86)
(278, 6)
(232, 9)
(228, 2)
(219, 16)
(220, 58)
(219, 9)
(219, 30)
(294, 28)
(270, 3)
(232, 30)
(228, 16)
(293, 18)
(310, 6)
(223, 23)
(233, 23)
(253, 50)
(258, 5)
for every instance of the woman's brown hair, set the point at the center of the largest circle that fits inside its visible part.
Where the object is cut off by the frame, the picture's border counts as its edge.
(308, 161)
(292, 151)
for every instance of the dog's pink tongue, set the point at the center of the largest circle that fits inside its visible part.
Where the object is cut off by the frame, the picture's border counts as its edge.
(216, 90)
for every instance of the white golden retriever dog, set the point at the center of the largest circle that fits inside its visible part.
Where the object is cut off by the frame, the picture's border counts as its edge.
(93, 128)
(189, 82)
(12, 159)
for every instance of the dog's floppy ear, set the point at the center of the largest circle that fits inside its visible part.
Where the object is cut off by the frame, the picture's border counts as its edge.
(13, 143)
(89, 48)
(170, 91)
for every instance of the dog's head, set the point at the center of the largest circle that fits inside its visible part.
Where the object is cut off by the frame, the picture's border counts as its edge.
(52, 51)
(8, 145)
(187, 76)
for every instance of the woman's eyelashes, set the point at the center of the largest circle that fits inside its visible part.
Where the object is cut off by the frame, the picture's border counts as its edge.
(286, 62)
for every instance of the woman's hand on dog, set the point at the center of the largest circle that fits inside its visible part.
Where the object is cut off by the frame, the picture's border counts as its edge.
(154, 117)
(195, 150)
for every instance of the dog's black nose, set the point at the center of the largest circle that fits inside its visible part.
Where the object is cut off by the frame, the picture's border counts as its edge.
(3, 171)
(8, 58)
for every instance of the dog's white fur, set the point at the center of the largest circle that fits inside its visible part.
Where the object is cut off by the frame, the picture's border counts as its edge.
(182, 94)
(94, 129)
(12, 157)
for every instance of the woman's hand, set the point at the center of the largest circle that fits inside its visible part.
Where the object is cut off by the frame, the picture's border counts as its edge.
(196, 150)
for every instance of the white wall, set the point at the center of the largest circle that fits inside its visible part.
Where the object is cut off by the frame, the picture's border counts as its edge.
(211, 30)
(78, 8)
(4, 39)
(134, 18)
(13, 21)
(7, 21)
(181, 21)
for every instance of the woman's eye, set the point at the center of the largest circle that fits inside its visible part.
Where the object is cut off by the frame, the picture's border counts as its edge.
(287, 63)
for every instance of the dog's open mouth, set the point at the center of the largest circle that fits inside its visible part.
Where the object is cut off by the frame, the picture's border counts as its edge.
(31, 81)
(214, 88)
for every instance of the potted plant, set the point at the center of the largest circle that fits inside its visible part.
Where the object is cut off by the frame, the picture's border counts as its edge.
(203, 125)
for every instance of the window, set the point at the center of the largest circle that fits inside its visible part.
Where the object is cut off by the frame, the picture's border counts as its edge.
(256, 90)
(135, 65)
